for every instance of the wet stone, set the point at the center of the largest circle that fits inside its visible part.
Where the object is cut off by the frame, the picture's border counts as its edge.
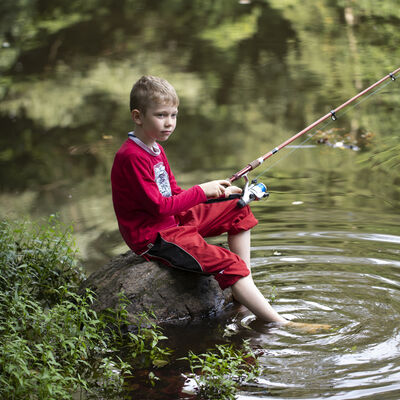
(173, 295)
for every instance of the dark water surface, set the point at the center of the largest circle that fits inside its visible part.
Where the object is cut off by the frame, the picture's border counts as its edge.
(249, 76)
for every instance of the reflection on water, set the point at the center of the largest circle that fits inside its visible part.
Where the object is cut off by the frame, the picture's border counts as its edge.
(250, 74)
(348, 278)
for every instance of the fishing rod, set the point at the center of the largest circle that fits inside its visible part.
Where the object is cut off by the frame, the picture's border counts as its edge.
(256, 191)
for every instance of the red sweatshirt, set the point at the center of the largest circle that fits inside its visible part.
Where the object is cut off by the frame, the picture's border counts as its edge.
(145, 194)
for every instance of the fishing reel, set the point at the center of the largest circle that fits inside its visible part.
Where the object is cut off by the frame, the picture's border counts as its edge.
(252, 191)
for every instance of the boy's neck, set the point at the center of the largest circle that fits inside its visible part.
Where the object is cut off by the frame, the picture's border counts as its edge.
(144, 139)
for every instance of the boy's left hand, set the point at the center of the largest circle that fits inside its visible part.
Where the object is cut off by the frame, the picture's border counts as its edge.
(232, 190)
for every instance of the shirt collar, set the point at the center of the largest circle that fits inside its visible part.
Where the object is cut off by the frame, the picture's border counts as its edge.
(154, 150)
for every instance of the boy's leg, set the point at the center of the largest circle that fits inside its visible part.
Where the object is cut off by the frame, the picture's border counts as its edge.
(246, 293)
(244, 290)
(239, 244)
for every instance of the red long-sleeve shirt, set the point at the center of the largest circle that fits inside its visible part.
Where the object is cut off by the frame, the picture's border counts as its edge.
(145, 194)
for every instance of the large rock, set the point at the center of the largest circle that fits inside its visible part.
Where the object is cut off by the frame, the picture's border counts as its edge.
(173, 295)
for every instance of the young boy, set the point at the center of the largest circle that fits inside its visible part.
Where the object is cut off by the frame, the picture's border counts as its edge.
(160, 221)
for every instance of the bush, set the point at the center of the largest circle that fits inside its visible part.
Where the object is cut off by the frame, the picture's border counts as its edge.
(38, 260)
(52, 344)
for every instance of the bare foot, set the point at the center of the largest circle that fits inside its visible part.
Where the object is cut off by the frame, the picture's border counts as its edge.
(309, 328)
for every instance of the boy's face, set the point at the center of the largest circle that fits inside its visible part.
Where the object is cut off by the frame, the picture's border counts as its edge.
(157, 124)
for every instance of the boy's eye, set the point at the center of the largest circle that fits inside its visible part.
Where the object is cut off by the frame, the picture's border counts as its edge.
(164, 115)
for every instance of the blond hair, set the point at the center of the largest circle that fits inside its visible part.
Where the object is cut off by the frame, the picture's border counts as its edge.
(150, 90)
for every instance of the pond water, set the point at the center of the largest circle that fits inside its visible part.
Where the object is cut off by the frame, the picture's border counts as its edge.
(249, 75)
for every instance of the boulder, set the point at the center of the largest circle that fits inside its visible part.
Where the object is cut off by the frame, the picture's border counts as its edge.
(173, 295)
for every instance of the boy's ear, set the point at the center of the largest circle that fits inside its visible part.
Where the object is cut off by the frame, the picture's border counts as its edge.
(136, 116)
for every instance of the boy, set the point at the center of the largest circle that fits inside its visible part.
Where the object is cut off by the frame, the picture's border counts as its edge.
(160, 221)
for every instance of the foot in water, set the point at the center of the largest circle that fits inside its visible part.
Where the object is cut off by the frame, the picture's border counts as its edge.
(309, 328)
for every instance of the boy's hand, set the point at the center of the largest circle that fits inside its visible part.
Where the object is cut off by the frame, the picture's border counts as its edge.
(215, 189)
(232, 190)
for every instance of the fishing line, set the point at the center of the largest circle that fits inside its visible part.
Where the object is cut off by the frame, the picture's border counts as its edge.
(332, 114)
(256, 191)
(324, 126)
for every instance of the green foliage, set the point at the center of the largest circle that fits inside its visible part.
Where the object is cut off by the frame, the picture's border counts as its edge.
(52, 343)
(229, 34)
(38, 260)
(143, 346)
(219, 373)
(53, 353)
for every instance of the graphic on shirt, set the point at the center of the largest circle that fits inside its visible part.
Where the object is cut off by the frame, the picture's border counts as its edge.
(162, 180)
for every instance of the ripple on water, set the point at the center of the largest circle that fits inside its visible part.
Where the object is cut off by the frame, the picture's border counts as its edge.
(355, 291)
(342, 235)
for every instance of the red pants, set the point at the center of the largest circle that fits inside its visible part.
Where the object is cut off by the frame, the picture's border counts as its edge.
(184, 247)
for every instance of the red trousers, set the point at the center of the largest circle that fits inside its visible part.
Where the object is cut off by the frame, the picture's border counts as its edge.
(184, 247)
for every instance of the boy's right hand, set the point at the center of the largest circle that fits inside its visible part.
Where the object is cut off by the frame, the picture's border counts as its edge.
(215, 189)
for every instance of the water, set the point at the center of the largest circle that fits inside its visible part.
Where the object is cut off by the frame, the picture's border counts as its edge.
(249, 76)
(347, 277)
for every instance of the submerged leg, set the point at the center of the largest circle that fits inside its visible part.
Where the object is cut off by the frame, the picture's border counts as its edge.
(246, 292)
